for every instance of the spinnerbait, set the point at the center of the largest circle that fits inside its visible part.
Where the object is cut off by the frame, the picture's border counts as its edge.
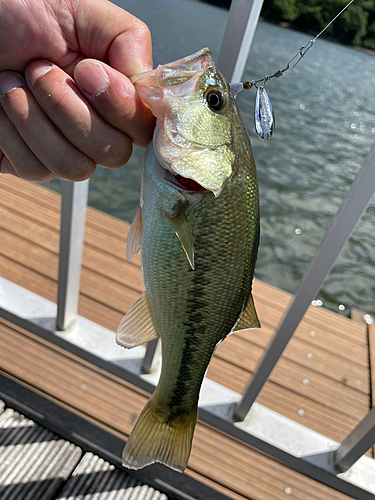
(264, 115)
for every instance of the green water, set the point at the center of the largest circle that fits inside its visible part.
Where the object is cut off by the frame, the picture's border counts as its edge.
(325, 125)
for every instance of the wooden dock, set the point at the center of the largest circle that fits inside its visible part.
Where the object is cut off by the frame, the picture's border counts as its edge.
(322, 381)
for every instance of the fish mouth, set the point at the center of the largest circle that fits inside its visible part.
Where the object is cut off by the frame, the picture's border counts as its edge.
(195, 164)
(194, 181)
(152, 86)
(176, 72)
(191, 191)
(187, 184)
(183, 184)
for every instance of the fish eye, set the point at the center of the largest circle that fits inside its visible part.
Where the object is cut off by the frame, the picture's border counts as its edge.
(215, 99)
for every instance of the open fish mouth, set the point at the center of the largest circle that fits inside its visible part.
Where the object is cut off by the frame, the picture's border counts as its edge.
(188, 184)
(179, 71)
(191, 189)
(189, 140)
(185, 184)
(185, 160)
(175, 79)
(181, 76)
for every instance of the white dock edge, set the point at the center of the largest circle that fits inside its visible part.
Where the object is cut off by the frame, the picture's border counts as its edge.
(261, 423)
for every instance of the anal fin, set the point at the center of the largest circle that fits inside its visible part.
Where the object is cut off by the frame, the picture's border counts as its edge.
(137, 327)
(249, 318)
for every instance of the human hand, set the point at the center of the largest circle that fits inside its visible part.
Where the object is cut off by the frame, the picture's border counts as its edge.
(65, 102)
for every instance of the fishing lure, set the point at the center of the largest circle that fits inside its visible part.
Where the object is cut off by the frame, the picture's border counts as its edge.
(263, 114)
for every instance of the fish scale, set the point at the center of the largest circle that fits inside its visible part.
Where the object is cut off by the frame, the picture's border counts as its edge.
(198, 248)
(184, 287)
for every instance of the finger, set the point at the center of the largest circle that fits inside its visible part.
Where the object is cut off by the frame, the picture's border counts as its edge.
(111, 34)
(17, 158)
(42, 137)
(116, 100)
(6, 167)
(69, 110)
(65, 31)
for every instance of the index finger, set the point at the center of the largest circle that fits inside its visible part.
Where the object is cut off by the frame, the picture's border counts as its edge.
(110, 34)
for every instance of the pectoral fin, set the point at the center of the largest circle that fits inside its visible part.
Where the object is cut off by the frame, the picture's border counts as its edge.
(249, 317)
(182, 229)
(134, 238)
(137, 327)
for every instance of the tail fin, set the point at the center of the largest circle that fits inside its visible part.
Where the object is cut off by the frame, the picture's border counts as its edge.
(153, 439)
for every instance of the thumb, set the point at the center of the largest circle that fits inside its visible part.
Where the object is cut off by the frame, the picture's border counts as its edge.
(114, 97)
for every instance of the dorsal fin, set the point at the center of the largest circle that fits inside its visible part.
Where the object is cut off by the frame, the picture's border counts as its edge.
(248, 318)
(137, 327)
(134, 238)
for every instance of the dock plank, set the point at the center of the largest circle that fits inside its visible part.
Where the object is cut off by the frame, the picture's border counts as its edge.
(104, 289)
(328, 350)
(279, 300)
(297, 407)
(217, 459)
(110, 285)
(371, 340)
(242, 352)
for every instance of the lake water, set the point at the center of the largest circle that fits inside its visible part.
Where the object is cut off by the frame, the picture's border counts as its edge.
(325, 126)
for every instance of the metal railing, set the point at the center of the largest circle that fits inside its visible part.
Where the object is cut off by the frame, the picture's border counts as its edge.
(308, 452)
(73, 214)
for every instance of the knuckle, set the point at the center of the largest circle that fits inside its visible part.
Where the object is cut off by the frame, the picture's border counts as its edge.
(141, 32)
(79, 170)
(115, 150)
(5, 166)
(29, 169)
(144, 140)
(55, 103)
(74, 166)
(38, 173)
(15, 105)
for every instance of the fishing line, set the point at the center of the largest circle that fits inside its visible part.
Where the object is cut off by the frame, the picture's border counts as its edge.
(264, 115)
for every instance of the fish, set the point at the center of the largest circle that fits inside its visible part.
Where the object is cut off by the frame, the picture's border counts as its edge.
(198, 230)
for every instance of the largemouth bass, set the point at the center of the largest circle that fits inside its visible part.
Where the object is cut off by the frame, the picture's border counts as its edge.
(198, 227)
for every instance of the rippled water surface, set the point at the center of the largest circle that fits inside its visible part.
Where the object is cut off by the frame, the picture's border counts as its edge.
(325, 125)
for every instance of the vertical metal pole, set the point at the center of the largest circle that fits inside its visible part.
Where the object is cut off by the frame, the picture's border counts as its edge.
(357, 442)
(73, 213)
(153, 348)
(239, 32)
(343, 224)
